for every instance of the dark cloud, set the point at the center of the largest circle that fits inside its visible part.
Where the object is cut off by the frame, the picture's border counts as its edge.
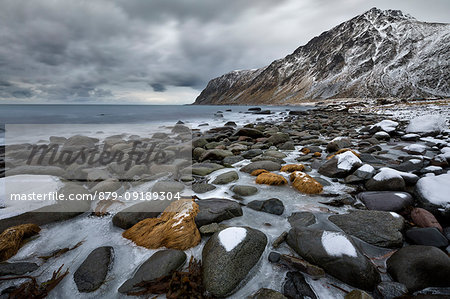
(100, 50)
(158, 87)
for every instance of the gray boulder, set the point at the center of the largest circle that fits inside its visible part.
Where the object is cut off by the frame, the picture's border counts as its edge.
(253, 133)
(216, 210)
(168, 187)
(92, 272)
(202, 188)
(390, 290)
(271, 206)
(429, 236)
(386, 200)
(432, 193)
(159, 264)
(228, 256)
(419, 267)
(295, 286)
(267, 165)
(140, 211)
(301, 219)
(226, 178)
(17, 268)
(337, 254)
(339, 143)
(340, 165)
(243, 190)
(378, 228)
(264, 293)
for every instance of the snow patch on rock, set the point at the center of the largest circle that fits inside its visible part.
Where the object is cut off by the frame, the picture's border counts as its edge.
(231, 237)
(435, 189)
(336, 244)
(426, 124)
(347, 160)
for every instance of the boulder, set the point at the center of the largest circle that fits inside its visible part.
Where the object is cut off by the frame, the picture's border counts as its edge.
(226, 178)
(423, 218)
(278, 138)
(301, 219)
(271, 206)
(140, 211)
(340, 165)
(378, 228)
(267, 165)
(386, 200)
(168, 187)
(228, 256)
(295, 286)
(339, 143)
(365, 172)
(159, 264)
(390, 290)
(243, 190)
(386, 125)
(253, 133)
(432, 193)
(202, 169)
(429, 236)
(426, 124)
(215, 155)
(337, 254)
(252, 153)
(202, 188)
(267, 294)
(17, 268)
(419, 267)
(386, 180)
(216, 210)
(91, 274)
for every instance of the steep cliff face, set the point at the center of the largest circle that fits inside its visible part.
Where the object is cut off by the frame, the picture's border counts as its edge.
(376, 54)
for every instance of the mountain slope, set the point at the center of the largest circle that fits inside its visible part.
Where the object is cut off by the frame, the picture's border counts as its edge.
(376, 54)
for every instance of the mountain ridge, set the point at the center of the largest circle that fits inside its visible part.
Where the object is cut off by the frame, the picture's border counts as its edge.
(380, 53)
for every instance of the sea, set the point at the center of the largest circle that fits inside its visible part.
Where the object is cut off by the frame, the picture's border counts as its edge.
(40, 120)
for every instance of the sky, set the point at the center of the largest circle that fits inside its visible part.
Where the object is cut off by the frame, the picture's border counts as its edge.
(158, 51)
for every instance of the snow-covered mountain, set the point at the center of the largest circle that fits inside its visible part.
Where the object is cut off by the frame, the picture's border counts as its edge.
(380, 53)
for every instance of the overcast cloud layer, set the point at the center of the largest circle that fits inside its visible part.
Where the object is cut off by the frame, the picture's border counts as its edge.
(158, 51)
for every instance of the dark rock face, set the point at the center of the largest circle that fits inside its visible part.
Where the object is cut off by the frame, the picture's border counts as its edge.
(159, 264)
(18, 268)
(429, 236)
(388, 184)
(216, 210)
(271, 206)
(366, 46)
(418, 267)
(375, 227)
(302, 219)
(347, 263)
(267, 165)
(92, 272)
(331, 168)
(296, 287)
(390, 290)
(386, 200)
(267, 294)
(225, 263)
(226, 178)
(202, 188)
(140, 211)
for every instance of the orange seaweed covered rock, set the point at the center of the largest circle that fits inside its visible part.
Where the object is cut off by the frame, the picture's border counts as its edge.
(343, 151)
(292, 167)
(305, 183)
(175, 228)
(11, 239)
(258, 172)
(306, 150)
(269, 178)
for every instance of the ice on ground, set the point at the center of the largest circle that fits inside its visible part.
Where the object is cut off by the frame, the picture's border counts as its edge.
(28, 188)
(336, 244)
(231, 237)
(386, 125)
(435, 189)
(347, 160)
(426, 124)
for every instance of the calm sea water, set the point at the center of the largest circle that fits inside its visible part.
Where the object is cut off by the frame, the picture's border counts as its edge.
(129, 114)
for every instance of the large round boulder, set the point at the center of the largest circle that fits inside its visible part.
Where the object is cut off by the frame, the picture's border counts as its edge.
(228, 257)
(337, 254)
(419, 267)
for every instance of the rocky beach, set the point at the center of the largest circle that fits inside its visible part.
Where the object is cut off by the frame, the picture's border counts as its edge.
(338, 200)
